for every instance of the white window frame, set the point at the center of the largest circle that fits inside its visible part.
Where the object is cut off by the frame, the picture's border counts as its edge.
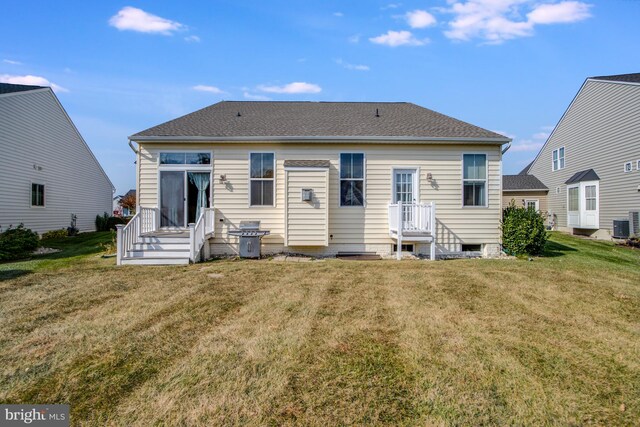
(486, 180)
(535, 201)
(561, 160)
(44, 196)
(595, 197)
(364, 179)
(185, 165)
(275, 167)
(630, 165)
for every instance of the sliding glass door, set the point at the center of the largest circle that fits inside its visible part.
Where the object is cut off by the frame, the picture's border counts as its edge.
(183, 195)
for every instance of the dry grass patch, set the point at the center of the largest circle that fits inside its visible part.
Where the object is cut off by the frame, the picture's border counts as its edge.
(553, 341)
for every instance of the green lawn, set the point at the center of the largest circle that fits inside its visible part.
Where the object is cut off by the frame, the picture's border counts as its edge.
(553, 341)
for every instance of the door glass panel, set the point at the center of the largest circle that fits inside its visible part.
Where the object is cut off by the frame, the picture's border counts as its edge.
(172, 199)
(574, 199)
(590, 196)
(198, 187)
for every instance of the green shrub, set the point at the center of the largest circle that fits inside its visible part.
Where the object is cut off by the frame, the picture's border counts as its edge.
(105, 222)
(16, 243)
(101, 222)
(55, 234)
(113, 221)
(523, 231)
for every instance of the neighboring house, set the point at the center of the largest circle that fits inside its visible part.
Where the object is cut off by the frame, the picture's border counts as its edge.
(591, 161)
(118, 209)
(524, 190)
(322, 177)
(47, 171)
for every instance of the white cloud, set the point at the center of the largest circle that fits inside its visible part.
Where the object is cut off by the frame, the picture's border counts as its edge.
(391, 6)
(31, 80)
(420, 19)
(253, 97)
(354, 67)
(295, 87)
(192, 39)
(534, 143)
(397, 38)
(560, 13)
(354, 39)
(9, 61)
(496, 21)
(134, 19)
(338, 14)
(210, 89)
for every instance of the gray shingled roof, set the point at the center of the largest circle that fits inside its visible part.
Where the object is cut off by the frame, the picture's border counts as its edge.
(237, 119)
(307, 163)
(11, 88)
(521, 182)
(627, 78)
(588, 175)
(525, 171)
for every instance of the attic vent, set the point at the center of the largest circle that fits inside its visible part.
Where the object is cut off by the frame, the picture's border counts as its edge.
(377, 114)
(239, 115)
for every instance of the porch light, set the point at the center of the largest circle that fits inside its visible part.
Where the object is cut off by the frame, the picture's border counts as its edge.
(429, 177)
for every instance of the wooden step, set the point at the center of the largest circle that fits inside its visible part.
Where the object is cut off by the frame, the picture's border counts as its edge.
(155, 261)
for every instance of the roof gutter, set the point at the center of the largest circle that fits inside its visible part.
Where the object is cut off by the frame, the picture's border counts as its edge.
(132, 147)
(505, 149)
(326, 139)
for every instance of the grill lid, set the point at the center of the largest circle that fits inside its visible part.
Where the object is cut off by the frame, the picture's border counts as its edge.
(249, 225)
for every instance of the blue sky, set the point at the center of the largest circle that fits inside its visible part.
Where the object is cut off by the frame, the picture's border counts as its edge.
(511, 66)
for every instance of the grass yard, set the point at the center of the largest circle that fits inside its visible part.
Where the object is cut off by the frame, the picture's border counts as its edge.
(555, 341)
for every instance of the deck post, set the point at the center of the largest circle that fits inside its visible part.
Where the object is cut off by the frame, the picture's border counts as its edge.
(432, 221)
(119, 243)
(192, 242)
(400, 224)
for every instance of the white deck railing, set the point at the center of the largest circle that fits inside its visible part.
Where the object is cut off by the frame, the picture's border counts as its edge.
(148, 220)
(144, 221)
(414, 219)
(199, 231)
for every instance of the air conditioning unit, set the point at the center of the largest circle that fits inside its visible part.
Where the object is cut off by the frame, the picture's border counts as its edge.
(620, 228)
(634, 223)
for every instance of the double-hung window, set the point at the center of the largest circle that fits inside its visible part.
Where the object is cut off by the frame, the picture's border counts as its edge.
(352, 179)
(590, 197)
(261, 179)
(37, 194)
(474, 179)
(558, 159)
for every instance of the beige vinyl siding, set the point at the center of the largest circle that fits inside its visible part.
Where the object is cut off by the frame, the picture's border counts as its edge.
(600, 131)
(520, 196)
(347, 225)
(307, 222)
(35, 132)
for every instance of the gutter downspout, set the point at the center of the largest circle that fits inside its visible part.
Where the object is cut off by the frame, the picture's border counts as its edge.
(137, 151)
(504, 150)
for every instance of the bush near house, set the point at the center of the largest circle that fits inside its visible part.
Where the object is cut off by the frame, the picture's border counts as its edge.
(105, 222)
(523, 231)
(55, 234)
(16, 243)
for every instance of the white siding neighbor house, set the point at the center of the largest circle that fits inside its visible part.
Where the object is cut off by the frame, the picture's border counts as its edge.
(591, 161)
(322, 178)
(47, 171)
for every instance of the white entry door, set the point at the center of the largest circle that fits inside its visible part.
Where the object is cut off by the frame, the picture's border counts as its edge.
(582, 205)
(405, 190)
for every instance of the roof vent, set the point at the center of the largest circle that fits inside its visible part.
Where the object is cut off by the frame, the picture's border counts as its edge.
(377, 114)
(239, 115)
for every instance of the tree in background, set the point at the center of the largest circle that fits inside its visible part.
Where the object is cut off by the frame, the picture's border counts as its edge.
(128, 201)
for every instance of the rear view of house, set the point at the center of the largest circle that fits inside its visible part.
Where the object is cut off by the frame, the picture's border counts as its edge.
(591, 161)
(47, 171)
(320, 178)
